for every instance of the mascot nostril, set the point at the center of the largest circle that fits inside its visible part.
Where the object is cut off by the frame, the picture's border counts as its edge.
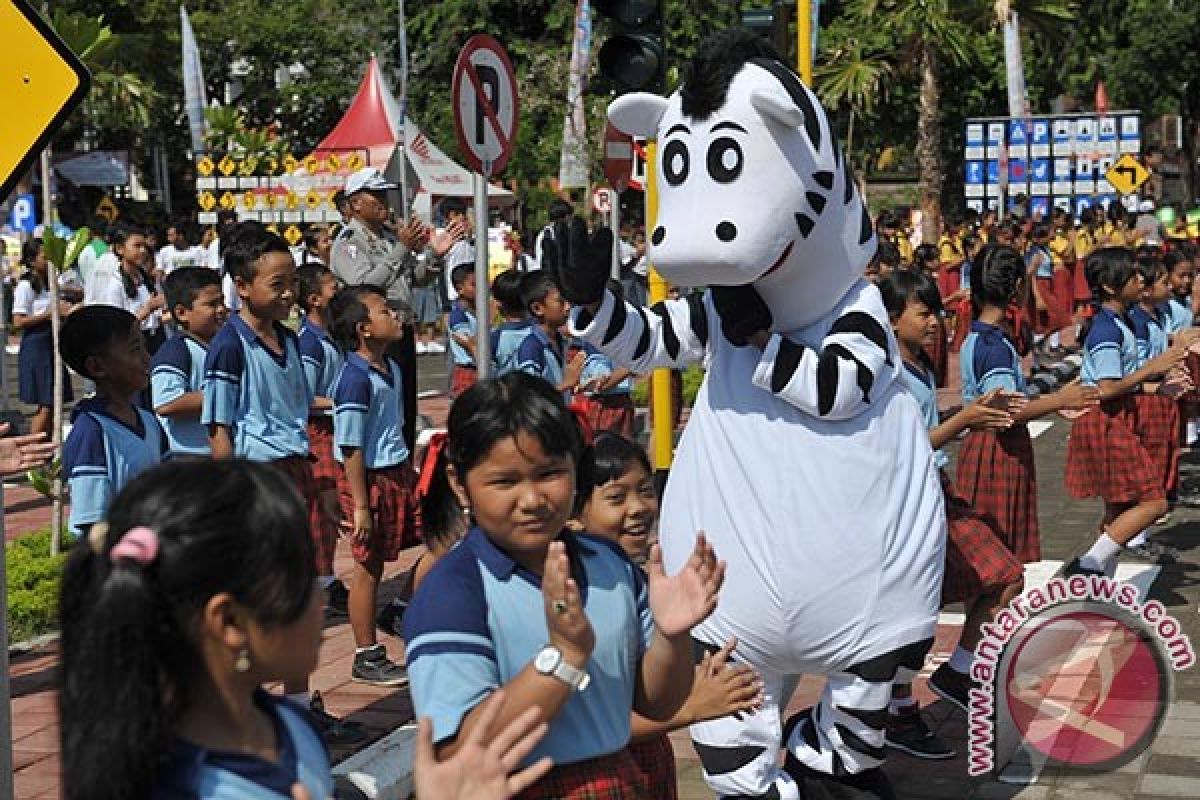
(802, 378)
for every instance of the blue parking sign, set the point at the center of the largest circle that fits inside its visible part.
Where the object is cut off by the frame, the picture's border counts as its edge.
(1039, 206)
(1041, 131)
(993, 172)
(23, 216)
(975, 172)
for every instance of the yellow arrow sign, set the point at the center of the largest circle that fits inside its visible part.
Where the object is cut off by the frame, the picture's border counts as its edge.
(312, 164)
(41, 79)
(249, 201)
(207, 201)
(228, 201)
(290, 163)
(312, 199)
(205, 166)
(355, 162)
(293, 235)
(227, 166)
(108, 210)
(292, 201)
(334, 161)
(1127, 175)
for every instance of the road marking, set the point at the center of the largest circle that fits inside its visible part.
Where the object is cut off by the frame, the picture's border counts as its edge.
(1039, 426)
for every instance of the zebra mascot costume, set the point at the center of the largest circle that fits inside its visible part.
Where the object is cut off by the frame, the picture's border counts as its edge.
(804, 460)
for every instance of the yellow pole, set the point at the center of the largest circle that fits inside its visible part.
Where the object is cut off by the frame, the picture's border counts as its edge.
(660, 381)
(804, 54)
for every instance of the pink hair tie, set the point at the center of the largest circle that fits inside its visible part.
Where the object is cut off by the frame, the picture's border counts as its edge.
(139, 545)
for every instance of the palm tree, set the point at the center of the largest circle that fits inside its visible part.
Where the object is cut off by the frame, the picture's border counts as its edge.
(852, 73)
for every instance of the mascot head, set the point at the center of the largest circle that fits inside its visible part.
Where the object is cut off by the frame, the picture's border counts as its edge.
(752, 186)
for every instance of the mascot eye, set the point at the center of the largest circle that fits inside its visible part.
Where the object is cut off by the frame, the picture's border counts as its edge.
(675, 162)
(724, 159)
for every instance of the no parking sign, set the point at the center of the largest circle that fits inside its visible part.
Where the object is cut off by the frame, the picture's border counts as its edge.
(484, 94)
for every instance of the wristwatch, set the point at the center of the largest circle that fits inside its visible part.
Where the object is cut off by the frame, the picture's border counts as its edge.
(549, 661)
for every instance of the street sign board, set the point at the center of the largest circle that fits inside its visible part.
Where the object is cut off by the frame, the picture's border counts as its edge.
(618, 157)
(23, 216)
(484, 97)
(602, 200)
(43, 82)
(1127, 175)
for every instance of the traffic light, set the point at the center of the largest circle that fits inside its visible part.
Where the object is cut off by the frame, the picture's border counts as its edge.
(634, 55)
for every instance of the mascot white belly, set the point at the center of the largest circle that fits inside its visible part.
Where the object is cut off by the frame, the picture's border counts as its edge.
(803, 460)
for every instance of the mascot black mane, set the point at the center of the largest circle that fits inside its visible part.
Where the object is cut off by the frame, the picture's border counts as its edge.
(805, 462)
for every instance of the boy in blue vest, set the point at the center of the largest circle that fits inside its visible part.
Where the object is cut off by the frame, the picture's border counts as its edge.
(322, 362)
(177, 369)
(111, 439)
(515, 326)
(462, 328)
(377, 491)
(256, 395)
(542, 353)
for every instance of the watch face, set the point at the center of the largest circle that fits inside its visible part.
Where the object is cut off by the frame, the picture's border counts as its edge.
(547, 659)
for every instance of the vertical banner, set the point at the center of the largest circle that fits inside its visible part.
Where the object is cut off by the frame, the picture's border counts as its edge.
(573, 164)
(402, 23)
(195, 99)
(1014, 66)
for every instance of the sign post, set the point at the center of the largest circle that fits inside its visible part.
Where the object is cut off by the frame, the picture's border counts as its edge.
(618, 163)
(486, 109)
(45, 80)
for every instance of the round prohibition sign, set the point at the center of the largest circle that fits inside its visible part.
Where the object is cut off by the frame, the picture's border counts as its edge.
(486, 108)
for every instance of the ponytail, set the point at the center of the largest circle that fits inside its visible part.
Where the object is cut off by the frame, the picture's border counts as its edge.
(443, 521)
(1106, 266)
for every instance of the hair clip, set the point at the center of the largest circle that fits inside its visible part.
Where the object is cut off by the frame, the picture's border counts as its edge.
(139, 545)
(581, 418)
(433, 451)
(96, 536)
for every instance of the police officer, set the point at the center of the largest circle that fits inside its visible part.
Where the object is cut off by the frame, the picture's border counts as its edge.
(369, 252)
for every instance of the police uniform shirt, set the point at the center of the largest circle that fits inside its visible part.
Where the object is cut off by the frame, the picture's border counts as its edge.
(363, 257)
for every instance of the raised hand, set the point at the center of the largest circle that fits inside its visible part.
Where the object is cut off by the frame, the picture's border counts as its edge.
(484, 766)
(570, 630)
(20, 453)
(742, 311)
(682, 601)
(578, 263)
(443, 240)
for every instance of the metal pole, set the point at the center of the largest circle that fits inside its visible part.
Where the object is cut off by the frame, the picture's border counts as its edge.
(403, 36)
(483, 315)
(6, 754)
(804, 53)
(660, 381)
(616, 229)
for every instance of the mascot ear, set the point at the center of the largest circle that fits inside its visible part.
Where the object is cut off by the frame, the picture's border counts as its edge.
(637, 114)
(777, 105)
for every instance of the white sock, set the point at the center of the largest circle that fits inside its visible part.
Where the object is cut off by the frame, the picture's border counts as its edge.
(327, 580)
(1101, 555)
(358, 651)
(299, 698)
(899, 705)
(1055, 340)
(1138, 540)
(1193, 431)
(961, 660)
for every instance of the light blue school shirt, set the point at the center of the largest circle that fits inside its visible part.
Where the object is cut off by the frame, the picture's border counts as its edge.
(1149, 332)
(541, 357)
(368, 413)
(1110, 351)
(989, 361)
(262, 396)
(1178, 314)
(322, 361)
(462, 323)
(478, 619)
(177, 369)
(102, 454)
(598, 365)
(506, 341)
(921, 385)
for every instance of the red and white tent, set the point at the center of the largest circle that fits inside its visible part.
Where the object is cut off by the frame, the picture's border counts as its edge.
(372, 124)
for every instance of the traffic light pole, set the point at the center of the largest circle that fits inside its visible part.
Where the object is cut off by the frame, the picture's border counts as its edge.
(804, 53)
(660, 381)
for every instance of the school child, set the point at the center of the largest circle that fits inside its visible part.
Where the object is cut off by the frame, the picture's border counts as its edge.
(256, 396)
(111, 438)
(175, 611)
(177, 369)
(35, 358)
(951, 256)
(515, 323)
(980, 572)
(563, 621)
(463, 327)
(378, 482)
(1105, 456)
(542, 352)
(1178, 316)
(128, 285)
(322, 359)
(618, 501)
(1086, 233)
(996, 473)
(1046, 309)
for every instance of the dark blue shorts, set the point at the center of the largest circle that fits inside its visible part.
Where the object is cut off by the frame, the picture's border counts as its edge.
(35, 369)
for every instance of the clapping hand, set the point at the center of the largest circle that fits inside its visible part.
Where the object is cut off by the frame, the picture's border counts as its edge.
(682, 601)
(443, 240)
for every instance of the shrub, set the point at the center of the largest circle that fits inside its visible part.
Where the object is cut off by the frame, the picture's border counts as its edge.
(33, 584)
(693, 376)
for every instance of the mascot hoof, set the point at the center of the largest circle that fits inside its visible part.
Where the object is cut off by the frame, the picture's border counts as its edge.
(873, 784)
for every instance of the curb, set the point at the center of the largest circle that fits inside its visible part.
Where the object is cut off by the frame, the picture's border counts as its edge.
(383, 771)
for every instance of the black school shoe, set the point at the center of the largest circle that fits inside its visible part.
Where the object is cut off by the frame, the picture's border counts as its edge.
(908, 733)
(336, 732)
(374, 667)
(952, 685)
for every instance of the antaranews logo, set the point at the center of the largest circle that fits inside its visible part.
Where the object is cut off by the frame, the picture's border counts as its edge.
(1078, 673)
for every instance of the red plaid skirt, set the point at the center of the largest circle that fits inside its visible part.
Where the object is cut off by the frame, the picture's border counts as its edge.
(656, 760)
(1055, 317)
(299, 470)
(326, 472)
(998, 480)
(461, 379)
(1106, 459)
(1160, 427)
(394, 511)
(614, 777)
(977, 562)
(608, 412)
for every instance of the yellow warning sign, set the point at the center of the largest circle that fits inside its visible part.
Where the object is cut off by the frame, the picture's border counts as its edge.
(107, 209)
(292, 235)
(1127, 175)
(290, 163)
(207, 201)
(271, 200)
(312, 164)
(250, 201)
(228, 201)
(43, 81)
(205, 166)
(355, 162)
(312, 199)
(227, 166)
(334, 162)
(291, 201)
